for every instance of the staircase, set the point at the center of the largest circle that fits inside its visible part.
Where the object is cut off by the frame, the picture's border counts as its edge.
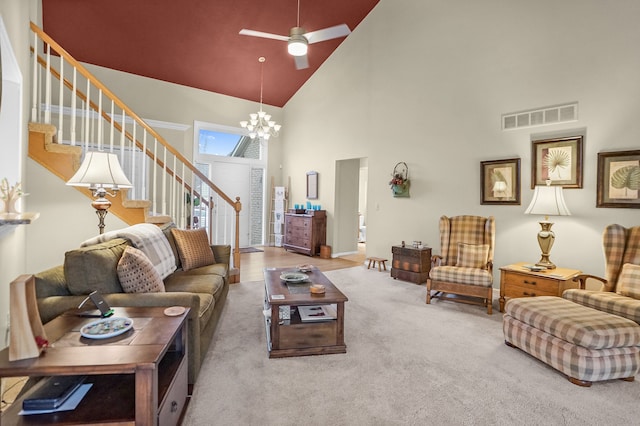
(73, 113)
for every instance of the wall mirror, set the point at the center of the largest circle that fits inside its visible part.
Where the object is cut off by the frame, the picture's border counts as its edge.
(312, 185)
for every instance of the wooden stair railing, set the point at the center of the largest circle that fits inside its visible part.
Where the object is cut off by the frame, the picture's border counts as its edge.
(170, 187)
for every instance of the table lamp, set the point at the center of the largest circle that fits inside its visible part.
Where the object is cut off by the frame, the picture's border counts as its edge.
(548, 201)
(99, 172)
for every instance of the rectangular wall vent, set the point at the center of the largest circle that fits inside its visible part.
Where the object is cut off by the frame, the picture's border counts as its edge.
(540, 116)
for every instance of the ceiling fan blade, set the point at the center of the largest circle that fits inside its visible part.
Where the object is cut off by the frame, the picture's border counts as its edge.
(263, 35)
(330, 33)
(301, 62)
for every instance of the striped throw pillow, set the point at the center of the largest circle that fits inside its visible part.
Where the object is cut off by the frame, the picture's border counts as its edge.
(193, 248)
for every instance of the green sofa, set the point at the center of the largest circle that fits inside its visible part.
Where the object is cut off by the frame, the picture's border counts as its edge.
(202, 289)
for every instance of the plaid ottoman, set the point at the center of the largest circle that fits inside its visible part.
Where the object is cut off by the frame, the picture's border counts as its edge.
(583, 343)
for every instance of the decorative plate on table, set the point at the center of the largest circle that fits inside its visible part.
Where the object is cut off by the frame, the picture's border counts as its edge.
(294, 277)
(106, 327)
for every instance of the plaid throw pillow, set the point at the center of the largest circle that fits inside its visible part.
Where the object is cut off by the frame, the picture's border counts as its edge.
(193, 248)
(472, 255)
(137, 274)
(629, 281)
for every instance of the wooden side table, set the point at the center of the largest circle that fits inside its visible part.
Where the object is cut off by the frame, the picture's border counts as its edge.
(137, 378)
(518, 281)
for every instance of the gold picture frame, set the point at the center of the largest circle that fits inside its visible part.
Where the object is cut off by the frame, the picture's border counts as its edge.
(619, 179)
(559, 160)
(500, 182)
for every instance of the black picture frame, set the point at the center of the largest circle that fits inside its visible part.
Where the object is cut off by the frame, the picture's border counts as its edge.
(619, 179)
(500, 182)
(566, 162)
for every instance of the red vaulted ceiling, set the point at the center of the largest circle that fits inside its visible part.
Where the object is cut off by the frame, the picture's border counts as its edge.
(196, 42)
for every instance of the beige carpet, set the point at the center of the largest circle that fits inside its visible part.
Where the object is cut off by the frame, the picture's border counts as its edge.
(407, 363)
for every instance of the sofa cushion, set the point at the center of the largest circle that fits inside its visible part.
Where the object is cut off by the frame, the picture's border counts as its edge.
(193, 248)
(95, 267)
(137, 274)
(629, 281)
(472, 255)
(191, 283)
(208, 288)
(220, 269)
(455, 274)
(51, 282)
(606, 301)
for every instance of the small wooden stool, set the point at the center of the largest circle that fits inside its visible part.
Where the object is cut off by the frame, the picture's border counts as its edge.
(380, 261)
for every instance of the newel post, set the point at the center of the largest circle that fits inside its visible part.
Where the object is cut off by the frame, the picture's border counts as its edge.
(236, 248)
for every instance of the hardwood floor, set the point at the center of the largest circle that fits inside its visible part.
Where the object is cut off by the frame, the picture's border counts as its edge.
(253, 264)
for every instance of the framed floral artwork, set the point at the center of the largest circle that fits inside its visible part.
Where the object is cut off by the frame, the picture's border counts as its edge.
(558, 160)
(500, 181)
(619, 179)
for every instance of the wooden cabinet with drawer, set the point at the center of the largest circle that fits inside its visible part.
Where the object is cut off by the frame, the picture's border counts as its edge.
(305, 233)
(518, 281)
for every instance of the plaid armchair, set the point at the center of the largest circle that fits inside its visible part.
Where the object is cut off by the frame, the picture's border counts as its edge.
(619, 292)
(465, 265)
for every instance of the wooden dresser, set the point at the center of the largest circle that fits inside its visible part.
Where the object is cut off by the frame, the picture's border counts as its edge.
(305, 233)
(411, 264)
(518, 281)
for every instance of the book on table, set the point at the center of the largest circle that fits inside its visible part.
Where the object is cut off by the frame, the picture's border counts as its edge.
(317, 313)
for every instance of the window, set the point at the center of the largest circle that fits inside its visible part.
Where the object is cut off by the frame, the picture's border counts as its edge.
(227, 143)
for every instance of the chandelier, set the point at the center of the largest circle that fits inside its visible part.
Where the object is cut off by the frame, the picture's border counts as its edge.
(260, 123)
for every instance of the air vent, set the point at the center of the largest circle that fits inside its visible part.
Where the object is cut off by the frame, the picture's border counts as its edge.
(540, 116)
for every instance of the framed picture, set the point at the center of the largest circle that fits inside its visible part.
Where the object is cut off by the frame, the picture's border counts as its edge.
(619, 179)
(500, 182)
(312, 185)
(559, 160)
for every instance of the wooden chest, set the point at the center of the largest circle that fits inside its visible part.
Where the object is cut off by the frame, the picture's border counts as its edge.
(305, 233)
(411, 264)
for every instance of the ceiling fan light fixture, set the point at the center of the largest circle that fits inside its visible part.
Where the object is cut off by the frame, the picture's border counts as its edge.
(297, 44)
(297, 47)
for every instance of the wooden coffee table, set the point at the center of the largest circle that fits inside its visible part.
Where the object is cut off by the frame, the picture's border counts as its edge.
(139, 377)
(294, 337)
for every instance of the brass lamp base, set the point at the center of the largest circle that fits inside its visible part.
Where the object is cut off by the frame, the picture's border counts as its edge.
(546, 238)
(102, 207)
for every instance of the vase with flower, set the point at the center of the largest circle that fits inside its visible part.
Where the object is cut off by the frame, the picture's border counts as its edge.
(10, 195)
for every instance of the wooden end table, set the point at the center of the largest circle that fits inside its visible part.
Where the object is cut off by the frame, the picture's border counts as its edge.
(292, 336)
(139, 377)
(518, 281)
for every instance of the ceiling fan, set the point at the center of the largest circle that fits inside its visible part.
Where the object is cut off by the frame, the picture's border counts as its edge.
(298, 40)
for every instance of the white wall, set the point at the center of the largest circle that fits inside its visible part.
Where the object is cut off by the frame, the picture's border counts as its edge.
(426, 82)
(15, 16)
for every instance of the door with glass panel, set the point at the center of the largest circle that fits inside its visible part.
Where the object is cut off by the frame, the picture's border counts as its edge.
(234, 162)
